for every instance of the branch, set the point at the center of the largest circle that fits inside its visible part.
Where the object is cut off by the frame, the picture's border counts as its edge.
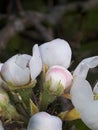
(46, 33)
(58, 11)
(31, 18)
(20, 24)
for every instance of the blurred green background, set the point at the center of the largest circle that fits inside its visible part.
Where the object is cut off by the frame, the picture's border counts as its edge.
(24, 23)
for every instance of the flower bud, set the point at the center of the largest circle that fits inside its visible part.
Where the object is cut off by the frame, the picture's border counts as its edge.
(4, 99)
(7, 110)
(15, 71)
(58, 78)
(44, 121)
(56, 52)
(21, 70)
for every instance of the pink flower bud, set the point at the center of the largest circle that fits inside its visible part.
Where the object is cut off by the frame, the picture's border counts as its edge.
(44, 121)
(58, 76)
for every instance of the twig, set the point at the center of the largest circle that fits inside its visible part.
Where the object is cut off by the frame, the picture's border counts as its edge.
(30, 18)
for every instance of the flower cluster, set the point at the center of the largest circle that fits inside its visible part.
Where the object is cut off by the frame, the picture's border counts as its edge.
(51, 61)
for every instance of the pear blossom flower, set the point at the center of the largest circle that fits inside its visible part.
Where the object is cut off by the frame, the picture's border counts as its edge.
(21, 70)
(56, 52)
(82, 94)
(59, 78)
(44, 121)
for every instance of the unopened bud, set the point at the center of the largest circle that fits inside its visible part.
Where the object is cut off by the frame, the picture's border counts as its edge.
(44, 121)
(58, 79)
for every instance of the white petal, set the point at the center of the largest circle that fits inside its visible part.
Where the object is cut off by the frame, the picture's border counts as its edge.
(27, 57)
(23, 60)
(82, 69)
(13, 58)
(35, 63)
(44, 121)
(1, 127)
(82, 99)
(56, 52)
(1, 65)
(95, 90)
(90, 115)
(14, 74)
(81, 93)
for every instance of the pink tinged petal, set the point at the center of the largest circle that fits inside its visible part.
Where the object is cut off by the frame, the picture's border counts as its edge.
(14, 74)
(35, 63)
(58, 74)
(44, 121)
(56, 52)
(95, 89)
(84, 66)
(81, 94)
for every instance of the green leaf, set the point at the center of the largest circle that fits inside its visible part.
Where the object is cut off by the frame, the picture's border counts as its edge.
(25, 95)
(80, 125)
(33, 107)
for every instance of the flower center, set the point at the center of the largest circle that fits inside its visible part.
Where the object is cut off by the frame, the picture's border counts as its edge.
(95, 96)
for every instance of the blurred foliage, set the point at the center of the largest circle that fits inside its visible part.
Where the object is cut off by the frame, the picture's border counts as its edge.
(34, 4)
(79, 125)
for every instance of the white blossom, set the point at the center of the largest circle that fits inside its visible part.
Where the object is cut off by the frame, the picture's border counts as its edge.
(82, 94)
(22, 69)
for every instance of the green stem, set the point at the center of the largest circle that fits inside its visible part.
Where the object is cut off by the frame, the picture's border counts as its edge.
(45, 99)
